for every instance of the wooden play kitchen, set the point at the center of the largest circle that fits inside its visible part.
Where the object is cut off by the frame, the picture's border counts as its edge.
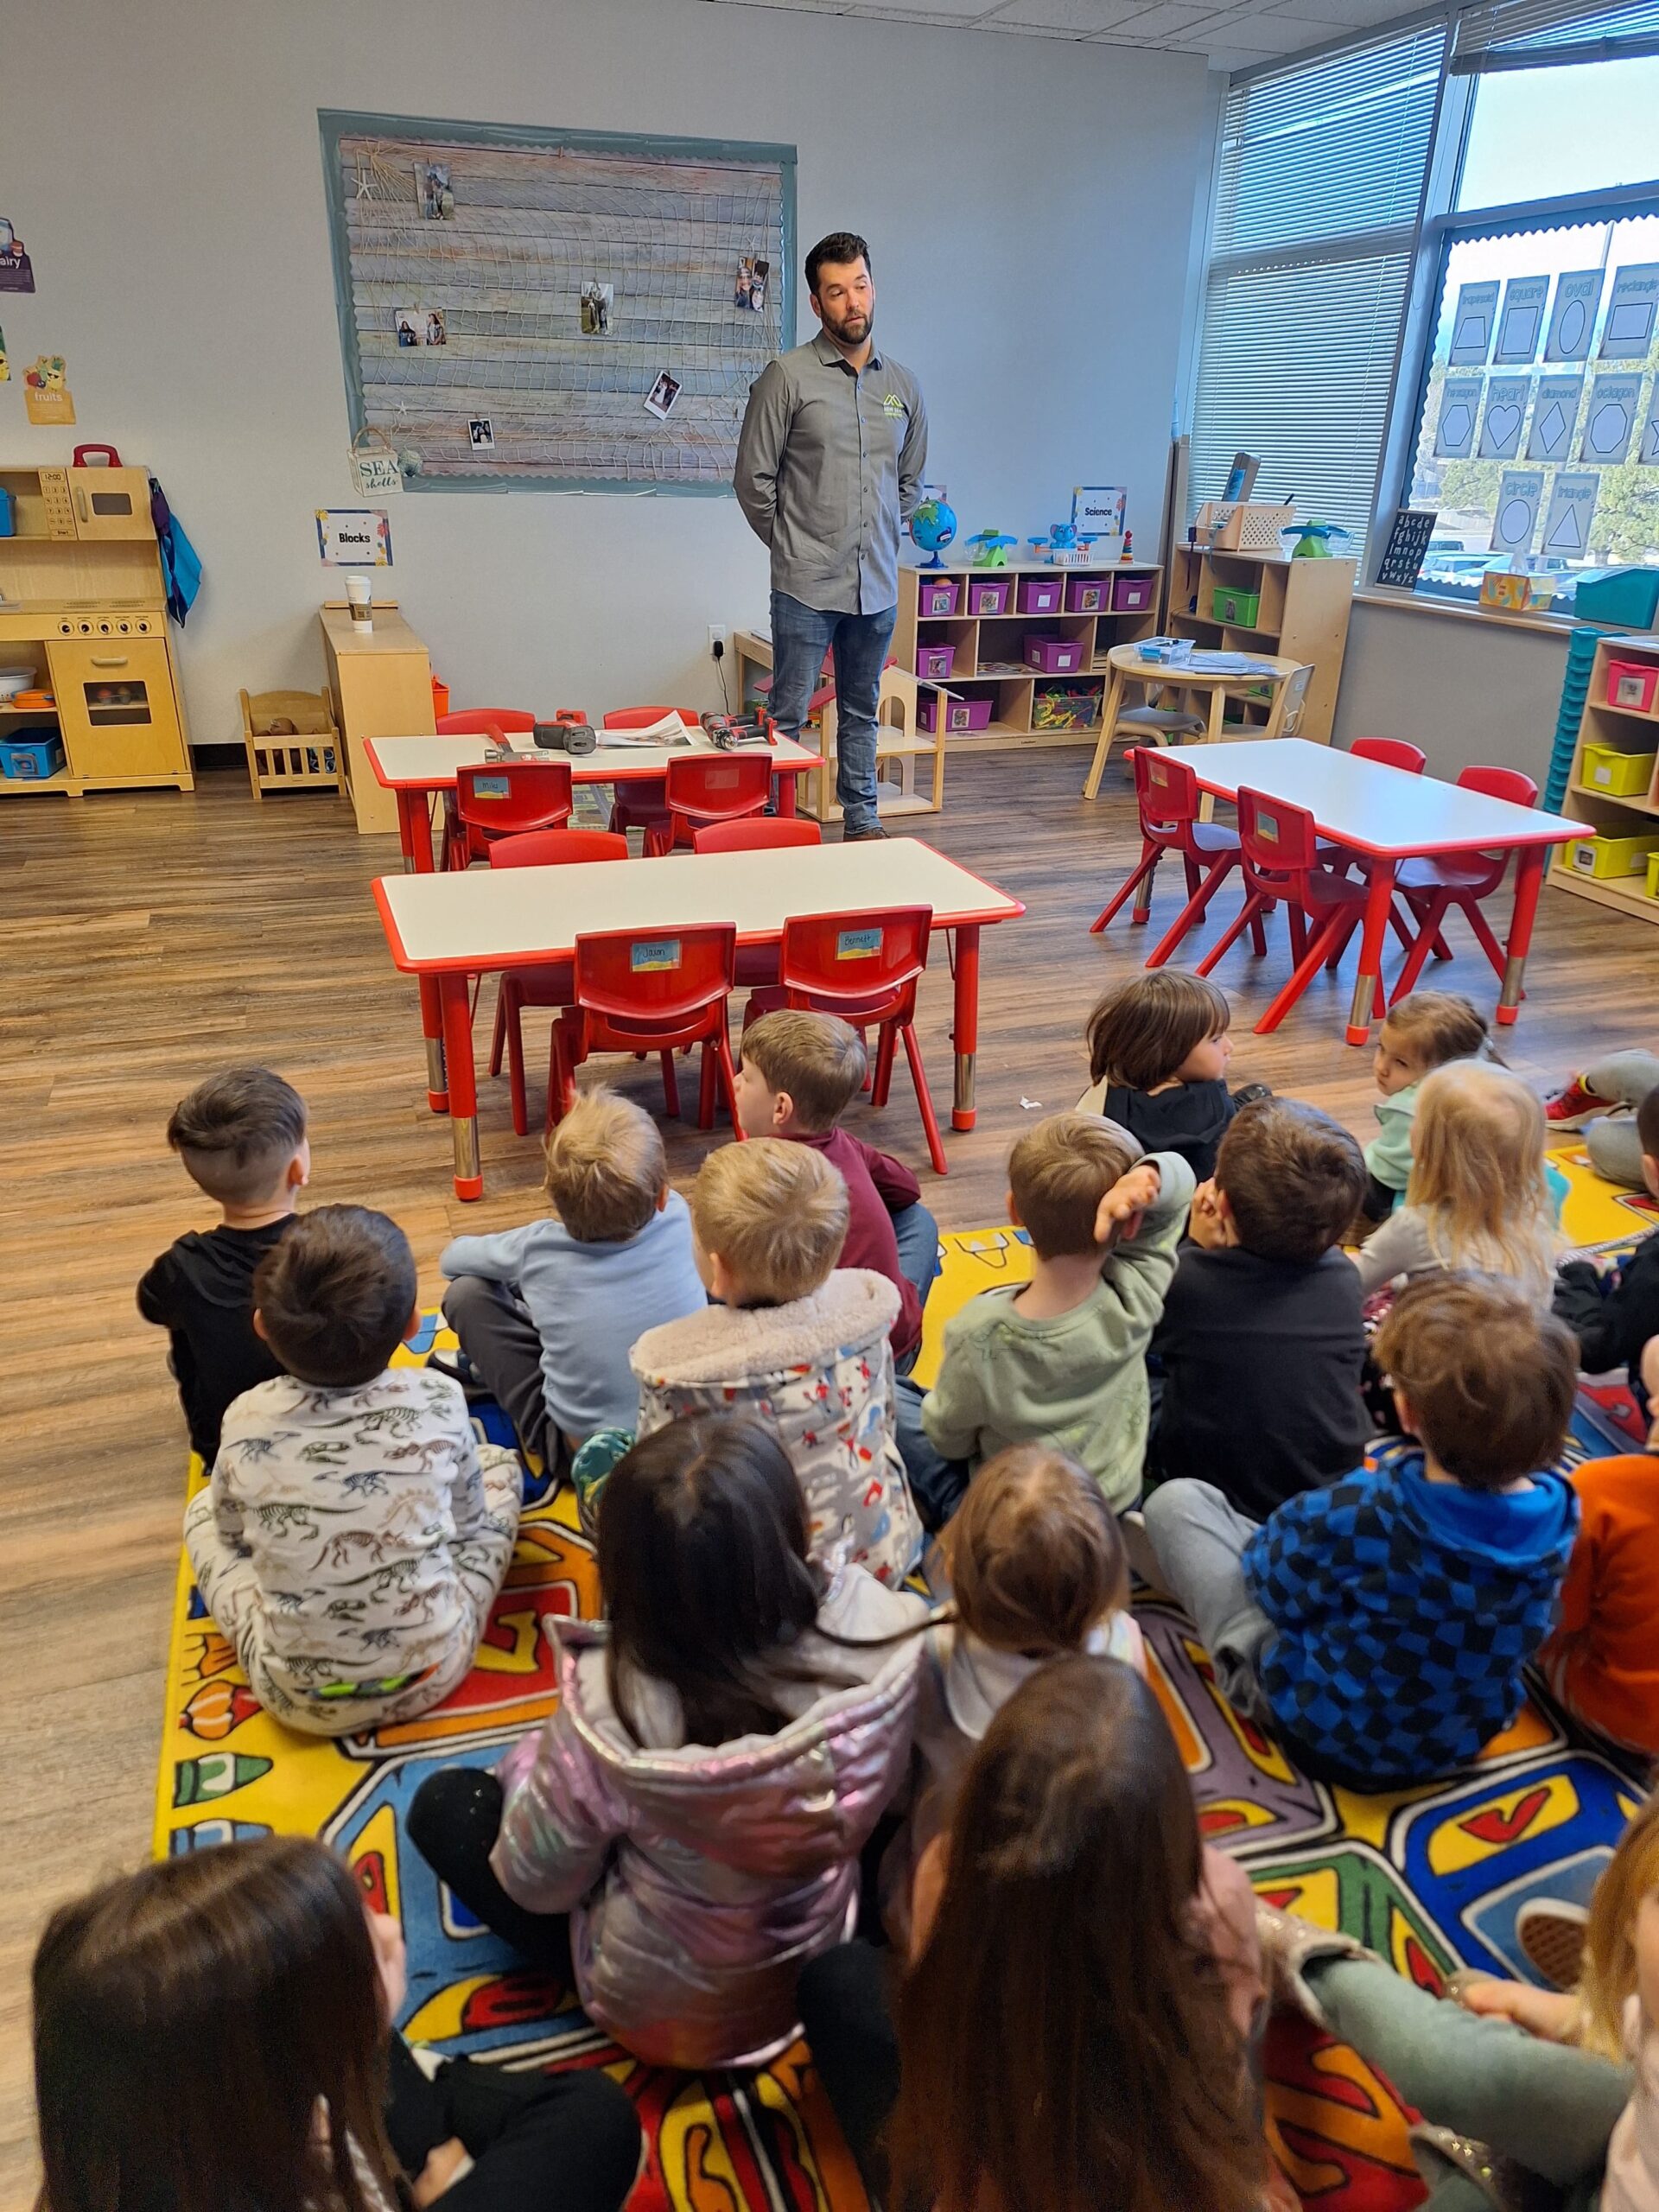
(1613, 787)
(89, 698)
(1258, 602)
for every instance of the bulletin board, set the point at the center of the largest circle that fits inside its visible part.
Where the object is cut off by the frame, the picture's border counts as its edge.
(559, 310)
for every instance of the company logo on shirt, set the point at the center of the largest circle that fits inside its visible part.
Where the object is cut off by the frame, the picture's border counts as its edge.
(893, 405)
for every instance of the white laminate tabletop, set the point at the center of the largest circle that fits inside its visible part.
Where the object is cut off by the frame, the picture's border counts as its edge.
(1369, 806)
(478, 918)
(428, 764)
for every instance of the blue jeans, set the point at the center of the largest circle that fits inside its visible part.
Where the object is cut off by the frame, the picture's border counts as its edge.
(800, 638)
(917, 1235)
(937, 1485)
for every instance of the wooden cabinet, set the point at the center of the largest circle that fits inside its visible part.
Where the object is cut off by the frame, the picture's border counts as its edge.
(116, 709)
(111, 502)
(380, 685)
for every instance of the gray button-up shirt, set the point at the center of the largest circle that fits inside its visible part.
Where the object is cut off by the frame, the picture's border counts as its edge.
(828, 466)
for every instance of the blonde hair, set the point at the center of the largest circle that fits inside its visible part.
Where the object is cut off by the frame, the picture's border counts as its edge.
(1035, 1555)
(1477, 1175)
(1436, 1026)
(816, 1058)
(1607, 1977)
(606, 1168)
(1059, 1172)
(776, 1213)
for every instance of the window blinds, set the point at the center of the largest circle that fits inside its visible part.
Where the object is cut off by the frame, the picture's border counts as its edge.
(1543, 34)
(1319, 184)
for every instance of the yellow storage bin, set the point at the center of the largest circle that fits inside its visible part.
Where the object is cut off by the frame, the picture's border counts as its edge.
(1611, 855)
(1653, 875)
(1621, 775)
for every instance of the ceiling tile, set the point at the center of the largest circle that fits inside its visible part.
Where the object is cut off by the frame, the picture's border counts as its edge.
(1269, 34)
(1169, 19)
(1080, 18)
(1340, 15)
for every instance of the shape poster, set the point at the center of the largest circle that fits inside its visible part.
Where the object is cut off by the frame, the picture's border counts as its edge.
(1649, 454)
(1520, 493)
(1454, 436)
(1554, 418)
(1472, 326)
(1632, 313)
(1610, 420)
(1506, 411)
(1578, 294)
(1524, 300)
(1572, 505)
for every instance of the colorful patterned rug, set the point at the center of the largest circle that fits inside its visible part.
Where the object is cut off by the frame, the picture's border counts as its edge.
(1431, 1878)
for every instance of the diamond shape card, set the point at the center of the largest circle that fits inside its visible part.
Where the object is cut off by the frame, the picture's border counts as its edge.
(1554, 418)
(1506, 411)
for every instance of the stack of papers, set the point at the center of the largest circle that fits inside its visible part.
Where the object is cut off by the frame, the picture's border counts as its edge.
(1228, 664)
(668, 729)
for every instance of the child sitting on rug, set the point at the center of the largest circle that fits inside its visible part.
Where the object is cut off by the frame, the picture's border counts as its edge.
(724, 1742)
(1613, 1314)
(1060, 1360)
(1263, 1340)
(1158, 1052)
(799, 1073)
(546, 1314)
(355, 1534)
(241, 1137)
(1426, 1030)
(1073, 2030)
(1602, 1657)
(1478, 1196)
(1601, 1100)
(1037, 1569)
(217, 2029)
(803, 1343)
(1381, 1625)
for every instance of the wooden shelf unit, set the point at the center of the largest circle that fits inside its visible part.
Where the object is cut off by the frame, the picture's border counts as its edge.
(1302, 615)
(83, 603)
(1627, 730)
(990, 649)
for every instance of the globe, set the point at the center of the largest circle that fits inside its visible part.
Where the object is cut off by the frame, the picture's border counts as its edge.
(933, 526)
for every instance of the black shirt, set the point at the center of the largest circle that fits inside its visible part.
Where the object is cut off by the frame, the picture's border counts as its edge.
(1612, 1322)
(1190, 1118)
(201, 1291)
(1262, 1369)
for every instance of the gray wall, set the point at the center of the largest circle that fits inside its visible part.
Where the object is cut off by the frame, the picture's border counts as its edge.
(1469, 692)
(1029, 202)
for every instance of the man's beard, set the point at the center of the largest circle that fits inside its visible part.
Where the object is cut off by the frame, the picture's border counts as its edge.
(840, 332)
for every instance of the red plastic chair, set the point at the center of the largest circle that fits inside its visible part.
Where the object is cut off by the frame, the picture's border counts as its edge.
(1392, 752)
(1432, 887)
(865, 967)
(650, 991)
(552, 984)
(642, 804)
(1279, 854)
(710, 787)
(1166, 792)
(757, 964)
(496, 723)
(504, 798)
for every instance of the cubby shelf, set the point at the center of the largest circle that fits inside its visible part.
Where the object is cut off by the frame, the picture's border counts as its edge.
(1301, 613)
(1632, 814)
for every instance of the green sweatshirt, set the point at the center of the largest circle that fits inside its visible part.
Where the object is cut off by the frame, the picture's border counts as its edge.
(1078, 1381)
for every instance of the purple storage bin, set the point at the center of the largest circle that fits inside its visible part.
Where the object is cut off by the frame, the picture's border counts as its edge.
(1130, 594)
(1088, 594)
(1040, 594)
(934, 663)
(989, 594)
(959, 714)
(1054, 655)
(936, 595)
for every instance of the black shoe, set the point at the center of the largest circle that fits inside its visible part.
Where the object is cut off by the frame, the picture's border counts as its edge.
(862, 836)
(456, 1365)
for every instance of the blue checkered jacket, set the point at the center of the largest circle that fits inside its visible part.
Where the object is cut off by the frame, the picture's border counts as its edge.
(1405, 1610)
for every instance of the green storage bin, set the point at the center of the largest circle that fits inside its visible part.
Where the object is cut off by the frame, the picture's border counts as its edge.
(1238, 607)
(1626, 598)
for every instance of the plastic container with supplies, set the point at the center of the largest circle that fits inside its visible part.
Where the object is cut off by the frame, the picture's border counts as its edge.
(1053, 655)
(934, 663)
(1605, 856)
(1088, 594)
(936, 595)
(989, 594)
(1631, 685)
(1626, 596)
(1130, 595)
(1621, 775)
(1039, 594)
(959, 714)
(1239, 608)
(1054, 706)
(33, 757)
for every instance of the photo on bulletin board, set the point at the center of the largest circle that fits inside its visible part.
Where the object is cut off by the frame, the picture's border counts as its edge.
(410, 324)
(1572, 322)
(1632, 312)
(1524, 299)
(598, 306)
(481, 431)
(1506, 411)
(435, 326)
(749, 292)
(1554, 418)
(659, 400)
(1402, 559)
(1471, 325)
(1515, 510)
(1454, 435)
(433, 192)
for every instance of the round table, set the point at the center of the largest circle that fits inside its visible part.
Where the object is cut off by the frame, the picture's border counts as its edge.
(1127, 667)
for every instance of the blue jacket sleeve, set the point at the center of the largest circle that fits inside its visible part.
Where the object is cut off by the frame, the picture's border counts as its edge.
(1287, 1565)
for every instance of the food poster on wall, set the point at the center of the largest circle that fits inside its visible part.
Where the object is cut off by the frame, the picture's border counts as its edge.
(1554, 418)
(16, 269)
(1610, 420)
(1573, 324)
(1454, 435)
(1514, 512)
(1524, 300)
(47, 397)
(1472, 326)
(1506, 411)
(354, 537)
(1632, 313)
(1572, 506)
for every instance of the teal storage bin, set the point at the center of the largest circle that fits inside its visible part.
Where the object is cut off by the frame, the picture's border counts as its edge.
(1625, 599)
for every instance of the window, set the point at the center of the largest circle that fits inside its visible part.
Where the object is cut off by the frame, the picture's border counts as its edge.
(1319, 191)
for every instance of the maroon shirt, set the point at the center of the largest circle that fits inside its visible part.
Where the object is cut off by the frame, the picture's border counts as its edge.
(878, 1187)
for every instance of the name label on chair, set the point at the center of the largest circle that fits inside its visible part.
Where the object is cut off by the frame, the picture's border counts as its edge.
(651, 954)
(858, 944)
(491, 787)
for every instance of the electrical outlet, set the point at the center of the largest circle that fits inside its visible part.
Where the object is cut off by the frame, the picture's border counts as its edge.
(718, 640)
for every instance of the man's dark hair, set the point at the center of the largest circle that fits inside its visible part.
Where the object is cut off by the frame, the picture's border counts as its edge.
(840, 245)
(334, 1297)
(236, 1132)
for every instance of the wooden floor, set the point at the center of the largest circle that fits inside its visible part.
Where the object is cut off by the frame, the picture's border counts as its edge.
(151, 937)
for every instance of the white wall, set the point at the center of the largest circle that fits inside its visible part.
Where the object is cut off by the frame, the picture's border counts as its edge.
(1472, 693)
(1029, 203)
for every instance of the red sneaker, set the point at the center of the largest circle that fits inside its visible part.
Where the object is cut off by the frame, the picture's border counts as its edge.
(1571, 1108)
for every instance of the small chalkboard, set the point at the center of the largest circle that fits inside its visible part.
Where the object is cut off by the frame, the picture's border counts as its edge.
(1408, 543)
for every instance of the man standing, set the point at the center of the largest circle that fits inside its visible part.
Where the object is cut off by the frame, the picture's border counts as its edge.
(829, 467)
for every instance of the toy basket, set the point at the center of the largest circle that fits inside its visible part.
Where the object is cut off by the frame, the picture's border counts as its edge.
(1240, 527)
(292, 743)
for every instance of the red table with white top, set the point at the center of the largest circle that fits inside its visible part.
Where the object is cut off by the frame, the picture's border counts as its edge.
(448, 928)
(1384, 816)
